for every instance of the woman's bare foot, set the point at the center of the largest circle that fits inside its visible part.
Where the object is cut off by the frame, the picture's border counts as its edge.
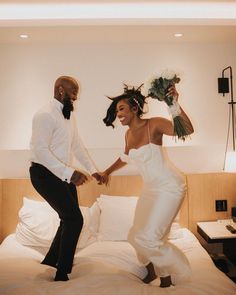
(165, 282)
(151, 274)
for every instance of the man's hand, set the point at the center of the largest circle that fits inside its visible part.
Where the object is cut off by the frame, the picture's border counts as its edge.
(101, 177)
(78, 178)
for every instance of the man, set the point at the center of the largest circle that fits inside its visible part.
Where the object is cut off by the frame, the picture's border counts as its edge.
(54, 142)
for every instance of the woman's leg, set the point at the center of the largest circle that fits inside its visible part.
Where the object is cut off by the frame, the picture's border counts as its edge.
(154, 214)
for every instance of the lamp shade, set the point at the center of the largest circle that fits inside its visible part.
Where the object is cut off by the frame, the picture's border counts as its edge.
(223, 85)
(230, 162)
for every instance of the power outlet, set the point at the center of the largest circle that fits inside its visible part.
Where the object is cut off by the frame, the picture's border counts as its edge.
(221, 205)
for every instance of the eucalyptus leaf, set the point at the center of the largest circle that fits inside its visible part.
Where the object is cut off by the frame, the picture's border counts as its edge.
(158, 90)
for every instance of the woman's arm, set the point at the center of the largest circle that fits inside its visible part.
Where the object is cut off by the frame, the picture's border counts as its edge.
(165, 126)
(115, 166)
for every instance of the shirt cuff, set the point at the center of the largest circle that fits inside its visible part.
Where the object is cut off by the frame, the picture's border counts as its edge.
(92, 170)
(67, 174)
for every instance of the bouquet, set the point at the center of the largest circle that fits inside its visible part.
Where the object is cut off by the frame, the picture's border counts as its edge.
(157, 87)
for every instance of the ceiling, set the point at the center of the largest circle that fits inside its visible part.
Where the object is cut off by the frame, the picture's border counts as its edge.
(76, 21)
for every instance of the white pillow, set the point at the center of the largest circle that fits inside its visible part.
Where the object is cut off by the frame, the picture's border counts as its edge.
(116, 218)
(117, 214)
(85, 233)
(38, 224)
(95, 213)
(175, 231)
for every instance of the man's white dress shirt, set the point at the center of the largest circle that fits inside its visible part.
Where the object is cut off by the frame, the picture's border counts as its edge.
(55, 141)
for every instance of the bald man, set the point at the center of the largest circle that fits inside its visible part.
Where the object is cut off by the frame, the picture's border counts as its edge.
(54, 142)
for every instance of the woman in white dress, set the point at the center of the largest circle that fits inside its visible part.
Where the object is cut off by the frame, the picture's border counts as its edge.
(164, 186)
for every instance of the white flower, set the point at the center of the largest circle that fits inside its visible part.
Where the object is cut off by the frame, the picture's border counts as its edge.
(168, 74)
(144, 91)
(148, 84)
(165, 74)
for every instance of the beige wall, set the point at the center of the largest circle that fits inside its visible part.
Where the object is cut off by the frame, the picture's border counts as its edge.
(28, 73)
(0, 209)
(102, 58)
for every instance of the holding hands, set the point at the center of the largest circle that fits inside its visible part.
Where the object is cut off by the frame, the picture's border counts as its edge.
(102, 178)
(78, 178)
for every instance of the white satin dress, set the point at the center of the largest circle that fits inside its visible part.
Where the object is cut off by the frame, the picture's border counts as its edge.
(162, 195)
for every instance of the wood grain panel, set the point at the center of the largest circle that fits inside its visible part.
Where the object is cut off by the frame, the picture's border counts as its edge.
(204, 190)
(13, 191)
(199, 205)
(0, 210)
(119, 186)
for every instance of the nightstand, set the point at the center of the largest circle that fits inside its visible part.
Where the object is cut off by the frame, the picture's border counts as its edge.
(216, 232)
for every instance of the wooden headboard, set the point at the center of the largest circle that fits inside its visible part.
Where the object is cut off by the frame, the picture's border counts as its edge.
(12, 192)
(199, 204)
(204, 190)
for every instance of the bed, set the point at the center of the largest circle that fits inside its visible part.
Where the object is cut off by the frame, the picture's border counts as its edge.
(104, 263)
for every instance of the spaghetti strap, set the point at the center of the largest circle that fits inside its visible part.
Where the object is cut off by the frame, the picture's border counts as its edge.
(149, 138)
(126, 139)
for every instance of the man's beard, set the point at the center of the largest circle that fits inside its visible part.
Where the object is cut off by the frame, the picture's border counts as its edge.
(68, 107)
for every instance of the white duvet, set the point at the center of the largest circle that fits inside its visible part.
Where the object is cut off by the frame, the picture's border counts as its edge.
(105, 268)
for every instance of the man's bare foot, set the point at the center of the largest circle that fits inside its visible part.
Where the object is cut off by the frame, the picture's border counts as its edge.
(151, 274)
(165, 282)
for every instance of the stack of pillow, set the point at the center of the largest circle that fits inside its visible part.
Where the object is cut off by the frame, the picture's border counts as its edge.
(108, 219)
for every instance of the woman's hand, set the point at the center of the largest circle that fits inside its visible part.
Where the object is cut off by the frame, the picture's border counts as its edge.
(173, 92)
(105, 178)
(98, 177)
(101, 177)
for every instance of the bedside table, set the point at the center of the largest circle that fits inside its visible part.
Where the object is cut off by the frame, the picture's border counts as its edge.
(216, 232)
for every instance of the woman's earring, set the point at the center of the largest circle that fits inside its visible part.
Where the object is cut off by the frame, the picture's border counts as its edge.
(135, 108)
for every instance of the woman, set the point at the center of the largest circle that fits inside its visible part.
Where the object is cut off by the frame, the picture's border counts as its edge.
(164, 186)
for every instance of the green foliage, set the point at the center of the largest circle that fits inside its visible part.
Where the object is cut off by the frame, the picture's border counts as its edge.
(158, 90)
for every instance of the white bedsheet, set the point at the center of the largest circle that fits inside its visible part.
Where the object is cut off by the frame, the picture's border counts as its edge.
(105, 268)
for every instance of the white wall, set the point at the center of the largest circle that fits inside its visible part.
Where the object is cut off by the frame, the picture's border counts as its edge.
(28, 72)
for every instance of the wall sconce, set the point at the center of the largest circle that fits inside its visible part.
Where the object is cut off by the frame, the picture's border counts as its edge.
(223, 87)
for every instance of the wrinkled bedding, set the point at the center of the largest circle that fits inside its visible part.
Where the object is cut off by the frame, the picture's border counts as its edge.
(105, 267)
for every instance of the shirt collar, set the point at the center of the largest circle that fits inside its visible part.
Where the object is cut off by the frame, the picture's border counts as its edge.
(57, 104)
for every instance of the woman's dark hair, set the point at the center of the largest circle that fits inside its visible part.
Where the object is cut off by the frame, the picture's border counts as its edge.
(133, 97)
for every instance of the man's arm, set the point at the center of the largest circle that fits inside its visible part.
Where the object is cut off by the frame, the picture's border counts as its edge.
(82, 155)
